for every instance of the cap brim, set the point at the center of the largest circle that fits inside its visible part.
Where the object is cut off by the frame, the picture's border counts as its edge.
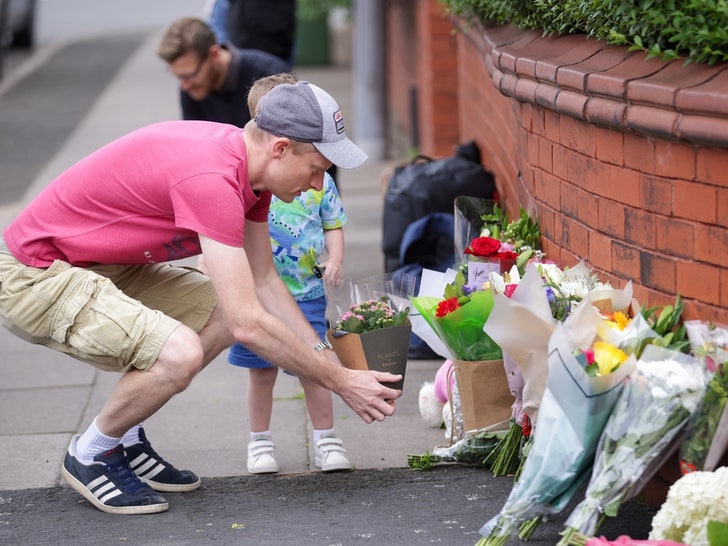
(342, 153)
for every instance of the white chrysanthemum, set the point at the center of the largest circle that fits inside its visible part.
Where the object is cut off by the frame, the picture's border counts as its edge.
(671, 377)
(693, 501)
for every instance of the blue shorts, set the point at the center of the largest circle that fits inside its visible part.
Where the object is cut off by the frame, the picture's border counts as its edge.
(313, 310)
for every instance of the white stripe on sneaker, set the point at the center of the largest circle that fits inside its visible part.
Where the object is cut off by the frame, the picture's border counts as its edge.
(106, 498)
(145, 466)
(103, 489)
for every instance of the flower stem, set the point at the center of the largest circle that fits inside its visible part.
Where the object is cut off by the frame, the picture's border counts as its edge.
(507, 452)
(422, 462)
(528, 527)
(572, 537)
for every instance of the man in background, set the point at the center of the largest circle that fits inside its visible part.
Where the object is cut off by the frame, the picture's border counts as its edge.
(214, 78)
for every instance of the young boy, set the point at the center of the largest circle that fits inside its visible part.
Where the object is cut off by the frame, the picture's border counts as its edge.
(299, 231)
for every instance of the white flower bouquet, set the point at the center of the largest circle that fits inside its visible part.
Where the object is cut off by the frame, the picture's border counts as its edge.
(652, 410)
(575, 406)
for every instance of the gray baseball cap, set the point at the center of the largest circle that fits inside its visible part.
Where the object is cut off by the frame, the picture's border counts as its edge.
(305, 112)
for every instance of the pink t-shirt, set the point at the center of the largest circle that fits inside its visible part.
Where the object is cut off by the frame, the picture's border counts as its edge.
(143, 198)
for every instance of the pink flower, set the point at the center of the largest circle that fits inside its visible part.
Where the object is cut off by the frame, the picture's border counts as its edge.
(627, 541)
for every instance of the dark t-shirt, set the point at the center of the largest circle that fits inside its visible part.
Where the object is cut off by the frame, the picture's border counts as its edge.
(267, 25)
(230, 103)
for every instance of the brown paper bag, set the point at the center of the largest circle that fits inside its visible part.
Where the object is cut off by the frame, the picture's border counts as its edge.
(485, 397)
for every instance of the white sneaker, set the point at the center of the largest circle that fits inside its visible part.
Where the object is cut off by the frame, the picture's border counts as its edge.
(331, 455)
(261, 456)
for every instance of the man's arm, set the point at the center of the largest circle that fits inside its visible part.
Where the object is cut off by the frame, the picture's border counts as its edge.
(263, 315)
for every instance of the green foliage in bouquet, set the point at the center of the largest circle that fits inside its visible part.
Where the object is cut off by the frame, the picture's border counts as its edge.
(371, 315)
(524, 233)
(694, 450)
(717, 533)
(477, 450)
(668, 325)
(455, 289)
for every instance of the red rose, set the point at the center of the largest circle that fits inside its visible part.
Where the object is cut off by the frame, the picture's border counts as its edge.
(505, 256)
(510, 288)
(483, 247)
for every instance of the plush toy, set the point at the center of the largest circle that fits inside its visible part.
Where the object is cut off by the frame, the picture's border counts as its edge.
(434, 401)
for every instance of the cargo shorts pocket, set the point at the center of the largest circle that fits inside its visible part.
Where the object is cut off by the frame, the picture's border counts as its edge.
(81, 313)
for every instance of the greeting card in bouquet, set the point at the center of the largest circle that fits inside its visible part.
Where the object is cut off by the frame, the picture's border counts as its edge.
(371, 327)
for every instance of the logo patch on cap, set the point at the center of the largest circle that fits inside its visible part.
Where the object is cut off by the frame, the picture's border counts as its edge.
(339, 122)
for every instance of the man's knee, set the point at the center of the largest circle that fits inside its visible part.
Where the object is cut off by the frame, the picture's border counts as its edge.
(181, 358)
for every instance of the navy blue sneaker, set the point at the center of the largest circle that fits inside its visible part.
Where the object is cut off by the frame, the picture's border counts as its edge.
(109, 484)
(155, 471)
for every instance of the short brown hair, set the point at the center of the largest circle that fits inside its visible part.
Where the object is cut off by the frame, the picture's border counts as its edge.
(184, 35)
(265, 84)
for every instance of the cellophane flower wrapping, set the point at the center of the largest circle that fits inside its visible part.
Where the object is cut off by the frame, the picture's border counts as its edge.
(653, 409)
(692, 502)
(432, 287)
(468, 222)
(522, 324)
(396, 287)
(573, 411)
(461, 330)
(707, 435)
(370, 329)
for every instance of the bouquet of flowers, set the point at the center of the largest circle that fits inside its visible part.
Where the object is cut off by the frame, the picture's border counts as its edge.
(370, 323)
(476, 217)
(474, 450)
(458, 318)
(652, 410)
(696, 510)
(522, 324)
(369, 315)
(707, 436)
(575, 406)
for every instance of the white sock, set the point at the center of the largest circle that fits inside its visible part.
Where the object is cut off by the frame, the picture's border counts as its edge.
(258, 435)
(132, 436)
(92, 442)
(317, 434)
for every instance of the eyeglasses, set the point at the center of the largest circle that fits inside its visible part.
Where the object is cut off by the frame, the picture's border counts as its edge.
(192, 75)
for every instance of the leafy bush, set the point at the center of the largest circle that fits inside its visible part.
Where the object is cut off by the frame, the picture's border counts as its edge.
(694, 30)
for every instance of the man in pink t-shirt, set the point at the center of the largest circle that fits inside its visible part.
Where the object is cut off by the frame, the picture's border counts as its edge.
(85, 269)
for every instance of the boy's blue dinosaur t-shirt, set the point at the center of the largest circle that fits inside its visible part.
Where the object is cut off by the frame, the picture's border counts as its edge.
(296, 228)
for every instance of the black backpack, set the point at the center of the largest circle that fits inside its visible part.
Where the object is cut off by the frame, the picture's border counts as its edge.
(427, 185)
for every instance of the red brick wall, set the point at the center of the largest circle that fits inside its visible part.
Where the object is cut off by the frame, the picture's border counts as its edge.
(437, 81)
(633, 206)
(423, 55)
(401, 72)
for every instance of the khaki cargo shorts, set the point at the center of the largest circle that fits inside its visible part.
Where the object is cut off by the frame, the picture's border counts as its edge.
(113, 317)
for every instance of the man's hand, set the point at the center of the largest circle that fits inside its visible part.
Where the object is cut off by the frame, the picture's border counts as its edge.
(365, 393)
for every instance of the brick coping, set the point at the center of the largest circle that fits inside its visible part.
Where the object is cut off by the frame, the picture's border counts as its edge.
(608, 85)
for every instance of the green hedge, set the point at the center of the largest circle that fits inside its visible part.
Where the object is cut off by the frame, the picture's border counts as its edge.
(694, 30)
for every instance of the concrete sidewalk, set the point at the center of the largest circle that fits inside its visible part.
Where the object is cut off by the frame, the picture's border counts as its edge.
(46, 397)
